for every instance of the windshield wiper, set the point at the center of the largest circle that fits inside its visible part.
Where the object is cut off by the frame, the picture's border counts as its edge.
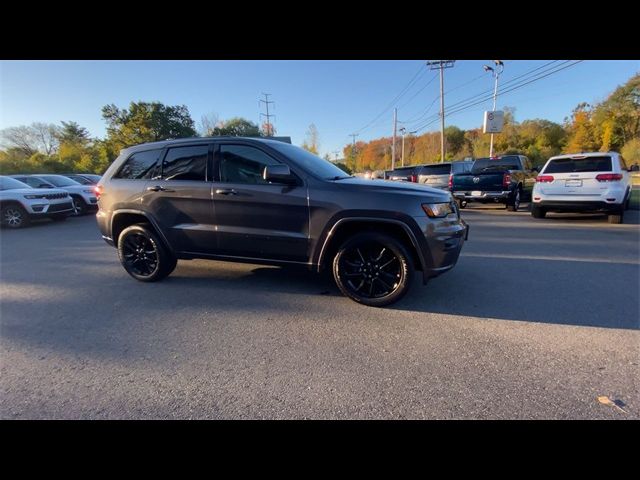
(339, 177)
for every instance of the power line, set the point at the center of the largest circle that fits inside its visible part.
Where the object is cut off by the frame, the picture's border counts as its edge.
(503, 91)
(396, 98)
(415, 94)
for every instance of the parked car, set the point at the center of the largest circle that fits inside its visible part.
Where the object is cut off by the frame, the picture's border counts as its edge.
(83, 196)
(439, 175)
(403, 174)
(586, 182)
(263, 201)
(20, 203)
(507, 179)
(83, 178)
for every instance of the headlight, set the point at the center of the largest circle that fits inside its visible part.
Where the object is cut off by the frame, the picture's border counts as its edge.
(89, 191)
(32, 197)
(438, 210)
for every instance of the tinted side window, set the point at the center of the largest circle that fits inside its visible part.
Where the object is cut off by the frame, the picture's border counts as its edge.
(186, 163)
(243, 164)
(436, 170)
(139, 165)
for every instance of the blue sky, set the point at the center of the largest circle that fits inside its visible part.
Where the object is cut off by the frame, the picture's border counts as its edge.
(340, 97)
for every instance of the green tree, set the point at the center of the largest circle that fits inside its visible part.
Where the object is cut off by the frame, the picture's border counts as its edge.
(72, 133)
(631, 151)
(454, 138)
(146, 122)
(236, 127)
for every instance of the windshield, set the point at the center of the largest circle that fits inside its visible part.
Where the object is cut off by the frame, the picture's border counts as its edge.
(574, 165)
(8, 183)
(309, 162)
(58, 180)
(489, 164)
(79, 179)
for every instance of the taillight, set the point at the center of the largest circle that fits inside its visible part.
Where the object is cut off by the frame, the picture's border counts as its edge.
(609, 177)
(506, 180)
(413, 178)
(544, 178)
(98, 191)
(450, 182)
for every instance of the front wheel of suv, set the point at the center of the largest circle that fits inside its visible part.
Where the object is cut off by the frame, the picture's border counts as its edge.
(143, 254)
(373, 269)
(14, 216)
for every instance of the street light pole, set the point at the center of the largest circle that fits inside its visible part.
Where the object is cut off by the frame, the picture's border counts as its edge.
(402, 130)
(496, 73)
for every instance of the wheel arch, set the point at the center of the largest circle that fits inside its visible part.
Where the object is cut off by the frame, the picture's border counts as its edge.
(346, 227)
(124, 218)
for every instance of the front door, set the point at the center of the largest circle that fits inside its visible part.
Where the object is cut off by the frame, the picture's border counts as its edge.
(255, 218)
(179, 198)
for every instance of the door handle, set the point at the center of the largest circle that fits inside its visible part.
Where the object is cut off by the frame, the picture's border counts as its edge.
(158, 188)
(226, 191)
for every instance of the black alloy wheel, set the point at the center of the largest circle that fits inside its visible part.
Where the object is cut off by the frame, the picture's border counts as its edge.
(143, 255)
(373, 269)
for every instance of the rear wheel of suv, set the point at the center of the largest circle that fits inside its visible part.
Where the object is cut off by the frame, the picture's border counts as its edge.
(538, 212)
(617, 217)
(143, 254)
(373, 269)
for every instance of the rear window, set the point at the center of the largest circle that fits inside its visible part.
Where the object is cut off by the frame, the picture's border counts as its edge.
(574, 165)
(502, 163)
(436, 169)
(140, 165)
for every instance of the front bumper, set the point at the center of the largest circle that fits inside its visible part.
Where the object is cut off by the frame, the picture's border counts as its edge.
(444, 239)
(481, 196)
(45, 209)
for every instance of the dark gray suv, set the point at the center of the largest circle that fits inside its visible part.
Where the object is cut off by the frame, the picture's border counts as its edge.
(264, 201)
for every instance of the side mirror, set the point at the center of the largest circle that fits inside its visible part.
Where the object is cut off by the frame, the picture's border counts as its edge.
(278, 174)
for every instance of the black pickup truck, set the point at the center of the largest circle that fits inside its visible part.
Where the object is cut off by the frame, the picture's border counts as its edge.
(507, 179)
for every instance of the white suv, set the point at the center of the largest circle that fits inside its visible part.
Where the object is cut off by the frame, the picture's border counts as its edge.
(585, 182)
(83, 196)
(19, 203)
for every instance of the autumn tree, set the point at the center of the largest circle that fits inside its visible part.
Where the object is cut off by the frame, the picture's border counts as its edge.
(581, 132)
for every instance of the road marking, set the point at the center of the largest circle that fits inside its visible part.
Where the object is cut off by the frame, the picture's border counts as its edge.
(545, 257)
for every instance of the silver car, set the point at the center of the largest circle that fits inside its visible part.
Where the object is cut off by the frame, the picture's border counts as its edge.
(438, 175)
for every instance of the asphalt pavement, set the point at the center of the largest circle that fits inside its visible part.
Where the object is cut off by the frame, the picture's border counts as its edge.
(538, 319)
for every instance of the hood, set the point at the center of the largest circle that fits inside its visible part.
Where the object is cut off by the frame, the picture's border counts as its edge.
(33, 191)
(76, 188)
(388, 186)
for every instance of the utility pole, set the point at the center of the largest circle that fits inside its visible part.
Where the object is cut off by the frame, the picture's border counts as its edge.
(402, 131)
(353, 145)
(393, 145)
(266, 101)
(441, 65)
(495, 72)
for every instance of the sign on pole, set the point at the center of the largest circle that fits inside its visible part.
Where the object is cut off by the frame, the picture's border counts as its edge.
(493, 121)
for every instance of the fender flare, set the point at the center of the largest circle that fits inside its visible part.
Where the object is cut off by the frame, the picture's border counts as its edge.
(142, 213)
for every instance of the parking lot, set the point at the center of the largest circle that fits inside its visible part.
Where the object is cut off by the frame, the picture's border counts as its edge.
(538, 319)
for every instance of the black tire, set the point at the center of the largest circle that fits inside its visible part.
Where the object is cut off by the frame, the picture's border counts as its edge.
(616, 217)
(59, 218)
(143, 255)
(462, 204)
(514, 204)
(373, 269)
(14, 216)
(627, 204)
(79, 206)
(538, 212)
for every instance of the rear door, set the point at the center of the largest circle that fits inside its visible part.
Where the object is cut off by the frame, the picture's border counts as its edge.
(576, 175)
(255, 218)
(179, 198)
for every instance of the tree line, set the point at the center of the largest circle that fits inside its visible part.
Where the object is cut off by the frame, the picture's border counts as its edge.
(611, 125)
(68, 147)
